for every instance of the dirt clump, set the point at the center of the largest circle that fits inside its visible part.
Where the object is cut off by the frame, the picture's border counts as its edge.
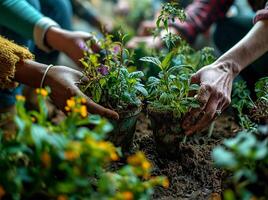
(192, 175)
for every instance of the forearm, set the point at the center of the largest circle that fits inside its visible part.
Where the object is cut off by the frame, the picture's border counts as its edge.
(250, 48)
(30, 73)
(22, 18)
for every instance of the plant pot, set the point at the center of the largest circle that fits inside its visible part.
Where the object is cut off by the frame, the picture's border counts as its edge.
(167, 131)
(124, 128)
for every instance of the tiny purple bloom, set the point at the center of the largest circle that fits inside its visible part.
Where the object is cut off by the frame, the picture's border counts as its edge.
(116, 49)
(103, 70)
(82, 45)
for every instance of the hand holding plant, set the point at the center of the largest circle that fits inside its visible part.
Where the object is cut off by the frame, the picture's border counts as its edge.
(214, 95)
(64, 83)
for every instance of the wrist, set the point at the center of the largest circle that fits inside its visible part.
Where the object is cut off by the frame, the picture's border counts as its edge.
(55, 38)
(30, 73)
(229, 66)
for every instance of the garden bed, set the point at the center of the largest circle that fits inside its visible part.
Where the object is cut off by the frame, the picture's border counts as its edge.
(192, 175)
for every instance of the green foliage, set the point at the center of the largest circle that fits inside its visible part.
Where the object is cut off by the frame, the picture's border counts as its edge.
(245, 107)
(67, 161)
(261, 88)
(169, 12)
(170, 90)
(247, 158)
(109, 81)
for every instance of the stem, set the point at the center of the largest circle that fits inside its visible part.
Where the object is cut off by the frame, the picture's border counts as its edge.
(184, 139)
(211, 128)
(121, 64)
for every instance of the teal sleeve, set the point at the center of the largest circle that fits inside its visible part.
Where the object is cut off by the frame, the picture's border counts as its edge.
(19, 16)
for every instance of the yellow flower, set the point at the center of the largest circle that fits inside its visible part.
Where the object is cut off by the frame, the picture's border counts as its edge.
(46, 159)
(70, 103)
(2, 192)
(165, 183)
(67, 108)
(20, 98)
(137, 159)
(146, 165)
(43, 92)
(70, 155)
(127, 195)
(62, 197)
(83, 111)
(83, 100)
(114, 156)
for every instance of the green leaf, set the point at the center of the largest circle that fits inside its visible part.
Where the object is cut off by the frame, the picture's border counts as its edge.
(141, 89)
(223, 158)
(166, 62)
(153, 60)
(137, 74)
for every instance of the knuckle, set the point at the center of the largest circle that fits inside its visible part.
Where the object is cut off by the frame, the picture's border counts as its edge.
(220, 94)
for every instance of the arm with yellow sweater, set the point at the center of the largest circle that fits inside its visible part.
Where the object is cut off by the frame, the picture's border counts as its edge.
(16, 65)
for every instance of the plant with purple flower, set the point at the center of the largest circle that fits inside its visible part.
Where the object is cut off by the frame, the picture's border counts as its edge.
(110, 83)
(103, 70)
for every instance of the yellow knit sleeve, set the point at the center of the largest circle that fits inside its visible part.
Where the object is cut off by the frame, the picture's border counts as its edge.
(10, 55)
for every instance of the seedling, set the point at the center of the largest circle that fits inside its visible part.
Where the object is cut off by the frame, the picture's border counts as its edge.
(110, 84)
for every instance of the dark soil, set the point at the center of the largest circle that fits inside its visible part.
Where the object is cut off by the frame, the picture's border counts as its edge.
(192, 175)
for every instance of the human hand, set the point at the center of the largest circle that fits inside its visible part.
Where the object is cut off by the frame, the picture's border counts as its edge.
(72, 43)
(214, 95)
(63, 84)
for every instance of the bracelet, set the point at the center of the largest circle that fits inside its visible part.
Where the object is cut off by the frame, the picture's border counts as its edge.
(44, 76)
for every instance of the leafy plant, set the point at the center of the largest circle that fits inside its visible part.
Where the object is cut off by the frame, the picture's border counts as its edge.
(170, 90)
(67, 161)
(261, 88)
(242, 101)
(109, 81)
(250, 112)
(246, 157)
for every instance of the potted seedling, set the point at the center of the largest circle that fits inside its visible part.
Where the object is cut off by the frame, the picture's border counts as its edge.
(113, 86)
(169, 93)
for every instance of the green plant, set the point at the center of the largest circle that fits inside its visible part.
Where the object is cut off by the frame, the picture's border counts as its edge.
(251, 112)
(67, 161)
(109, 81)
(246, 157)
(242, 101)
(261, 88)
(170, 90)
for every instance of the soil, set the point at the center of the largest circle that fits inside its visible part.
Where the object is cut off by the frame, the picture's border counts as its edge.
(192, 175)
